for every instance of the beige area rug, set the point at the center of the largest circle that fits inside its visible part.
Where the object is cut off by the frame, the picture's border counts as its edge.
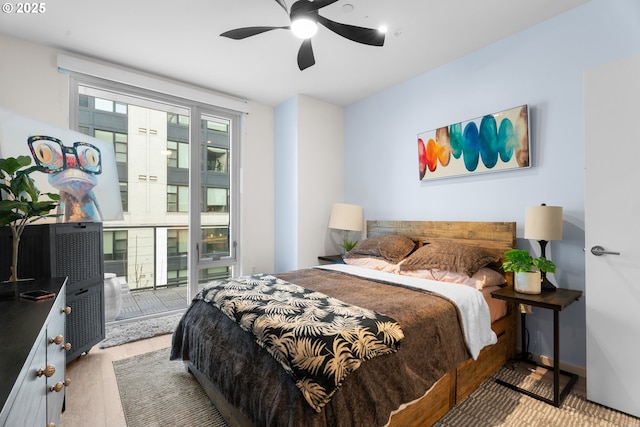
(159, 392)
(495, 405)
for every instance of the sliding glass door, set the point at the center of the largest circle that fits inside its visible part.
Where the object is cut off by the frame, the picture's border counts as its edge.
(215, 229)
(178, 172)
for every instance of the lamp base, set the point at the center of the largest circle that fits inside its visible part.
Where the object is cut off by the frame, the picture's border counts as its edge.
(546, 285)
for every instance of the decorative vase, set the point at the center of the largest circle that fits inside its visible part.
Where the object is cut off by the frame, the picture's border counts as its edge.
(112, 297)
(529, 282)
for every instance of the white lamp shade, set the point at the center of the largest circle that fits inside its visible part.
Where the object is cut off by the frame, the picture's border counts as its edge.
(543, 223)
(345, 216)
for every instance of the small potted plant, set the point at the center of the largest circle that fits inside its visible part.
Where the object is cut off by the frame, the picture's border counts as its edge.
(20, 202)
(347, 245)
(526, 270)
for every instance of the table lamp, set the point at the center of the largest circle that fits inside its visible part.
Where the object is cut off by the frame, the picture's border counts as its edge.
(544, 223)
(346, 217)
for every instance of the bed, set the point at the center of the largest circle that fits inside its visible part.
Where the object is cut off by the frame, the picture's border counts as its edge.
(430, 371)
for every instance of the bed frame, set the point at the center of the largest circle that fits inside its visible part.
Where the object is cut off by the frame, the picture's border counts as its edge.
(453, 387)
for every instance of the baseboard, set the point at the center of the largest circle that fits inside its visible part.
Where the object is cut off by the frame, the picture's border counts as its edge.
(545, 360)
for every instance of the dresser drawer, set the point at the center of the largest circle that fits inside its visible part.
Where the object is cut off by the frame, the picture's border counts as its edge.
(28, 408)
(56, 356)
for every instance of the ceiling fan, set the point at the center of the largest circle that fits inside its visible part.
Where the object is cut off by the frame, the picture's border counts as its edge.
(305, 18)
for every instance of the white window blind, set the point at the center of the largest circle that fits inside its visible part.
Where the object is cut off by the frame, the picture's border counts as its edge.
(69, 63)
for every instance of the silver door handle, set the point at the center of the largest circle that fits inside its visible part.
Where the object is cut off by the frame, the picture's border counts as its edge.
(599, 251)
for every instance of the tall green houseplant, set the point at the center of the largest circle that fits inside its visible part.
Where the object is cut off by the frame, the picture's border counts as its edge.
(20, 202)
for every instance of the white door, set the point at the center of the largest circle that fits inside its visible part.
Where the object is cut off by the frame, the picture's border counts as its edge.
(612, 213)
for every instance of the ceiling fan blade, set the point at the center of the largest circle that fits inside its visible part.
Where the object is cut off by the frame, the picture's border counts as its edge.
(357, 34)
(305, 55)
(319, 4)
(284, 6)
(243, 33)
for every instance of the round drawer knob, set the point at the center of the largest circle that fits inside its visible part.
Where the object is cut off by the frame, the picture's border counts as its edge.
(66, 347)
(67, 382)
(57, 340)
(47, 372)
(57, 388)
(51, 425)
(66, 310)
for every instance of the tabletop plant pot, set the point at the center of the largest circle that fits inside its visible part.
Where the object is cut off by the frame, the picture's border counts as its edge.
(528, 282)
(527, 270)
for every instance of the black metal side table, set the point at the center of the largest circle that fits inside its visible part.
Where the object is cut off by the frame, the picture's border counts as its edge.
(557, 301)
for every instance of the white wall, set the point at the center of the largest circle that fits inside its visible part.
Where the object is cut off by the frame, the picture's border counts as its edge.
(286, 186)
(320, 175)
(257, 208)
(31, 85)
(542, 67)
(309, 179)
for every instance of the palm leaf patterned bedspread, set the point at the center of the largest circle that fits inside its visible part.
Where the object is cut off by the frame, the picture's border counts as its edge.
(317, 339)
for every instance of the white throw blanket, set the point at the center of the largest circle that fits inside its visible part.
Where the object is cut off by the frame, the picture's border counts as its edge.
(473, 308)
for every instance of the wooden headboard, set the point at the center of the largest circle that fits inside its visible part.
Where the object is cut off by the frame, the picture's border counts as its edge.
(495, 237)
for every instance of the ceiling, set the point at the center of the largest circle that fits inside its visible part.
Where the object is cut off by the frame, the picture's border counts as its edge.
(180, 40)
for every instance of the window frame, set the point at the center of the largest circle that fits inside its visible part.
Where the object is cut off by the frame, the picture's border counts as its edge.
(198, 110)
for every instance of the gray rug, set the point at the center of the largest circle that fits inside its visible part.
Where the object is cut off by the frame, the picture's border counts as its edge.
(157, 392)
(169, 391)
(121, 333)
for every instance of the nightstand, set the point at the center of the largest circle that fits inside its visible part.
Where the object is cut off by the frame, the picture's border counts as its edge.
(556, 301)
(331, 259)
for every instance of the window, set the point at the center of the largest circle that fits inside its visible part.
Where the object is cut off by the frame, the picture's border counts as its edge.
(106, 105)
(124, 195)
(217, 159)
(115, 244)
(178, 154)
(178, 119)
(215, 200)
(171, 212)
(119, 141)
(178, 277)
(215, 242)
(177, 249)
(177, 241)
(216, 125)
(177, 198)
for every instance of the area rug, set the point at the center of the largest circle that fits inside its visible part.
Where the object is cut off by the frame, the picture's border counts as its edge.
(498, 406)
(168, 395)
(158, 392)
(121, 333)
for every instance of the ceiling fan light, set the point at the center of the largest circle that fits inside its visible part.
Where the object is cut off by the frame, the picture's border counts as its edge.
(304, 28)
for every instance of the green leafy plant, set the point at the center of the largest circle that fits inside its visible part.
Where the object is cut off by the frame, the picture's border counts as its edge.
(20, 202)
(521, 261)
(349, 244)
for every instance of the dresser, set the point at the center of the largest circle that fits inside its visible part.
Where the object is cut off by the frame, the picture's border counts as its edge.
(75, 251)
(32, 356)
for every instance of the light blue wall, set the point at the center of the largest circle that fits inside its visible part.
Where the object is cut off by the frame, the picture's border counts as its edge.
(542, 67)
(286, 186)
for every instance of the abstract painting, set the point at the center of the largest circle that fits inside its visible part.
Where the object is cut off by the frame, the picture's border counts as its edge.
(494, 142)
(78, 167)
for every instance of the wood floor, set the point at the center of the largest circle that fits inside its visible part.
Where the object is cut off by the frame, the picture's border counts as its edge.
(93, 398)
